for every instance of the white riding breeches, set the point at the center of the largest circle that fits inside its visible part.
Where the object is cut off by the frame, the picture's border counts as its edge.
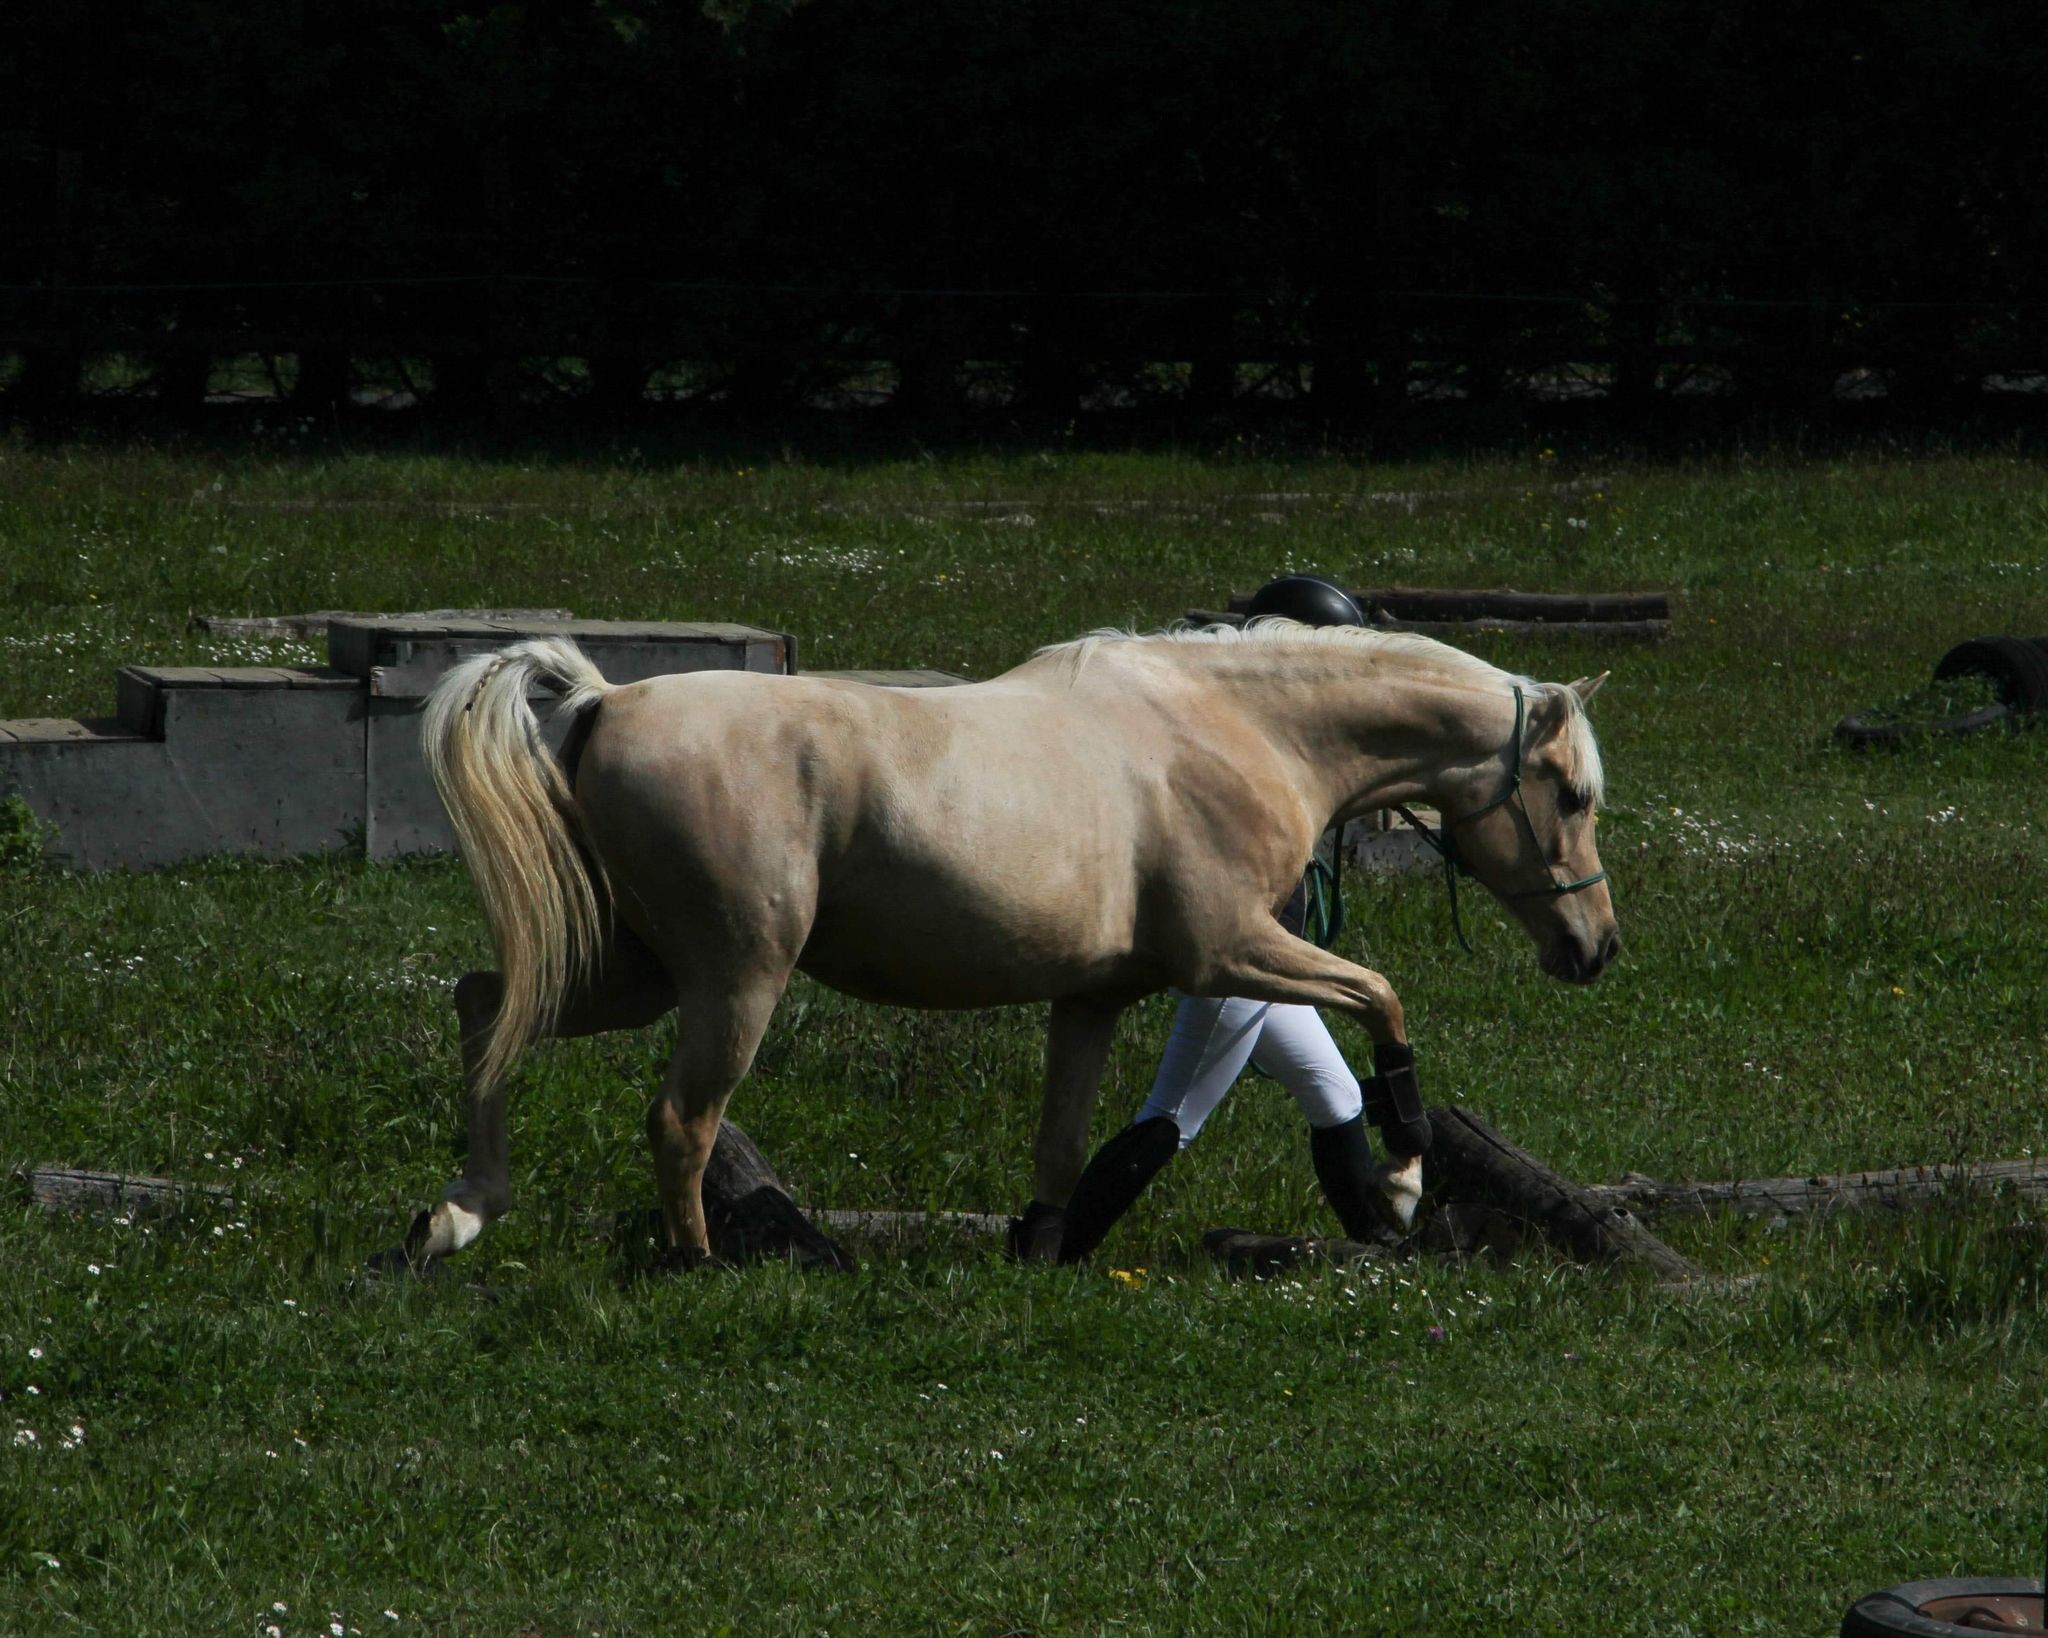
(1213, 1040)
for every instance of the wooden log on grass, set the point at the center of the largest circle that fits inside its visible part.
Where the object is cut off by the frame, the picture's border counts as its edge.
(1600, 631)
(1470, 1164)
(1434, 603)
(1487, 1197)
(65, 1188)
(913, 1230)
(1429, 603)
(750, 1215)
(1905, 1188)
(1607, 631)
(1248, 1254)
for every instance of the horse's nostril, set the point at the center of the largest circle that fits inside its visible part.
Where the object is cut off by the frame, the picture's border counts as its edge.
(1611, 948)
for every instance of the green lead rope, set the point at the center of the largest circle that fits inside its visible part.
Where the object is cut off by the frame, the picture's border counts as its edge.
(1323, 919)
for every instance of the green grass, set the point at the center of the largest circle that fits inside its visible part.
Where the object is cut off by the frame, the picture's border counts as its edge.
(1833, 961)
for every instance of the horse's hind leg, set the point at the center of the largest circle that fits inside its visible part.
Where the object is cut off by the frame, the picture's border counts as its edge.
(719, 1026)
(627, 989)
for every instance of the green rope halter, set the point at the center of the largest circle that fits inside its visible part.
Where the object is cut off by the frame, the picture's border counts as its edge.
(1444, 837)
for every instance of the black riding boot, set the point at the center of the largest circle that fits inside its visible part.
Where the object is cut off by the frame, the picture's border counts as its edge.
(1035, 1237)
(1115, 1176)
(1343, 1161)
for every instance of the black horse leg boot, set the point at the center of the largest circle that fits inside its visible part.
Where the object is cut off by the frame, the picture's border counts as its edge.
(1344, 1166)
(1115, 1176)
(1393, 1103)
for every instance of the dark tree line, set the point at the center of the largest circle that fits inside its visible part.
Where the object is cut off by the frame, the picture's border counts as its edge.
(1376, 190)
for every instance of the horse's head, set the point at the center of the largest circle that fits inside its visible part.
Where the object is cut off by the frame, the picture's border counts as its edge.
(1528, 835)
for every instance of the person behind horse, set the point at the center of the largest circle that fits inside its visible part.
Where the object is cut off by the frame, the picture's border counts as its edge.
(1214, 1038)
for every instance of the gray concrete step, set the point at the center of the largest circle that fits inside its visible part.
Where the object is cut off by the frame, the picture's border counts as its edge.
(402, 658)
(67, 731)
(279, 761)
(139, 689)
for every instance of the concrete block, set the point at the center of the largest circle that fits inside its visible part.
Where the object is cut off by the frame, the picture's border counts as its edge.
(1383, 845)
(279, 761)
(276, 772)
(139, 690)
(405, 658)
(89, 782)
(263, 767)
(60, 730)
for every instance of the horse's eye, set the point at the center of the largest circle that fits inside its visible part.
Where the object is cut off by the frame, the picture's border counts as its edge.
(1569, 801)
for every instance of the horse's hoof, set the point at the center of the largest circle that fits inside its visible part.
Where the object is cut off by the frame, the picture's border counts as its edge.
(1397, 1184)
(440, 1231)
(688, 1260)
(1035, 1237)
(418, 1257)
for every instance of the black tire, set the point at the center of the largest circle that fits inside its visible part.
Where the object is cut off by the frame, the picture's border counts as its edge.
(2018, 666)
(1857, 730)
(1895, 1612)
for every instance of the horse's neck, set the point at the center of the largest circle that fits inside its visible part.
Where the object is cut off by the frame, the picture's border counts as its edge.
(1366, 730)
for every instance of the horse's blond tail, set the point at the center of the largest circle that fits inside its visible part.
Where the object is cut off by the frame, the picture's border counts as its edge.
(514, 819)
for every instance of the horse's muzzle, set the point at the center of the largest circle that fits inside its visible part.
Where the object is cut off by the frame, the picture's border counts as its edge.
(1564, 957)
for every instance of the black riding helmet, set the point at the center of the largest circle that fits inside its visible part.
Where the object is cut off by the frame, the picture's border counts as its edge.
(1308, 598)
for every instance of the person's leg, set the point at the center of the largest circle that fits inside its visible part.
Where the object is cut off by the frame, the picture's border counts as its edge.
(1211, 1041)
(1296, 1049)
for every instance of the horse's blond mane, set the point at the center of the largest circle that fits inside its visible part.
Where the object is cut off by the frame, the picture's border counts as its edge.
(1583, 771)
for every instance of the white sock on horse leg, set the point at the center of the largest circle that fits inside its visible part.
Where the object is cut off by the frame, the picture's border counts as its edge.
(449, 1228)
(1400, 1183)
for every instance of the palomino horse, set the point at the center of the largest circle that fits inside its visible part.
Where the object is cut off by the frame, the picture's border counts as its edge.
(1115, 816)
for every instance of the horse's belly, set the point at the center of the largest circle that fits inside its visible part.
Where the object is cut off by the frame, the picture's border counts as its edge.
(912, 957)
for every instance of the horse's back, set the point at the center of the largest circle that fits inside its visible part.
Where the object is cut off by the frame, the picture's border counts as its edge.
(899, 827)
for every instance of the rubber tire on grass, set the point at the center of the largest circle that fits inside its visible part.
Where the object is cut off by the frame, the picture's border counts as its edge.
(1857, 730)
(2017, 665)
(1895, 1612)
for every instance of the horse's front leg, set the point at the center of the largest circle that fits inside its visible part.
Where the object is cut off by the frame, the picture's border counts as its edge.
(1077, 1042)
(1271, 964)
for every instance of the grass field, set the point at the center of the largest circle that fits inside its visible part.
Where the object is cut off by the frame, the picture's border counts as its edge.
(211, 1424)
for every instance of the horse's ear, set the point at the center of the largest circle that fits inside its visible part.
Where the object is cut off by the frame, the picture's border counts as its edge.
(1587, 687)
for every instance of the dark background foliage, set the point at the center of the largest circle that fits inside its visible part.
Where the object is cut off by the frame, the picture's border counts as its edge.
(1353, 203)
